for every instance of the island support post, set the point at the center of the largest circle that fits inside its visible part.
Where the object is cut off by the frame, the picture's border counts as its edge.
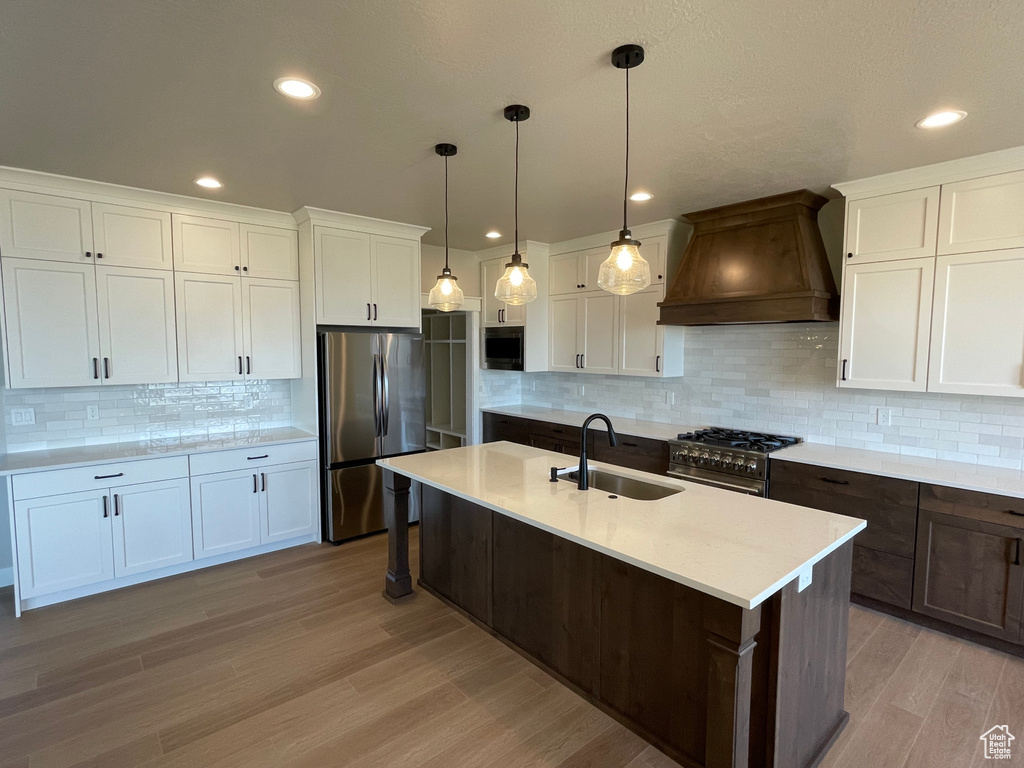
(398, 582)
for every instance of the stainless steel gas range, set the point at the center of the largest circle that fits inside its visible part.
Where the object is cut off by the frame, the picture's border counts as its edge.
(726, 458)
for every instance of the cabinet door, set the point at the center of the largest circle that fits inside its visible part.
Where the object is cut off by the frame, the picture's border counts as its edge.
(490, 271)
(289, 506)
(968, 573)
(137, 329)
(152, 525)
(63, 542)
(641, 339)
(209, 246)
(885, 323)
(982, 214)
(655, 250)
(600, 353)
(396, 281)
(270, 309)
(343, 277)
(898, 226)
(131, 237)
(225, 512)
(590, 266)
(52, 334)
(497, 426)
(977, 340)
(209, 327)
(564, 276)
(270, 252)
(45, 227)
(566, 330)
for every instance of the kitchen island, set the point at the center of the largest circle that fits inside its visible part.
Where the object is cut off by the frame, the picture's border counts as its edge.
(712, 623)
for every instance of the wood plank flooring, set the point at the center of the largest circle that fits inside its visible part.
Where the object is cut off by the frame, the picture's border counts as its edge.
(294, 659)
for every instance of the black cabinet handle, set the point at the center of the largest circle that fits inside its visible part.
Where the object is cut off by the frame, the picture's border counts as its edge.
(99, 256)
(106, 507)
(95, 367)
(106, 367)
(558, 431)
(1014, 512)
(108, 477)
(583, 286)
(657, 363)
(248, 364)
(254, 458)
(849, 255)
(583, 361)
(239, 365)
(88, 254)
(117, 506)
(834, 482)
(263, 481)
(245, 269)
(1016, 557)
(631, 445)
(374, 311)
(661, 277)
(255, 485)
(843, 376)
(367, 310)
(237, 268)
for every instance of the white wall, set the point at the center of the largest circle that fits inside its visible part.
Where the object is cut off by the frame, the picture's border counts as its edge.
(464, 265)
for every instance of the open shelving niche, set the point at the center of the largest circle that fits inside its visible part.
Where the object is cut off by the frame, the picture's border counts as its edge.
(450, 366)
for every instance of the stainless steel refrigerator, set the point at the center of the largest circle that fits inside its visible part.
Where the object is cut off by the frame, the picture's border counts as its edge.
(372, 405)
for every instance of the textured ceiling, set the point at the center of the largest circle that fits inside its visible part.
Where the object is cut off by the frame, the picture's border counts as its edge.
(736, 100)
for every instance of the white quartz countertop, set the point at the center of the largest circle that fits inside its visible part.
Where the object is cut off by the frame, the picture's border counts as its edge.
(742, 549)
(955, 474)
(652, 429)
(62, 458)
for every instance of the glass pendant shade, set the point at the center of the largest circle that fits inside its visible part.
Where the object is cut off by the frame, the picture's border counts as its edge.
(516, 287)
(625, 271)
(446, 296)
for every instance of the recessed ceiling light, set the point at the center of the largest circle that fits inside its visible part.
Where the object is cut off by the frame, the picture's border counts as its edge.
(641, 197)
(295, 88)
(493, 234)
(942, 119)
(209, 182)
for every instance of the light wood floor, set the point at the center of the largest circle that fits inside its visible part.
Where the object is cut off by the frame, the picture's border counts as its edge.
(295, 659)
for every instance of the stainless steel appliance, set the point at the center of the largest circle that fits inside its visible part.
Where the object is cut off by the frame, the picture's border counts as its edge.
(725, 458)
(503, 348)
(372, 398)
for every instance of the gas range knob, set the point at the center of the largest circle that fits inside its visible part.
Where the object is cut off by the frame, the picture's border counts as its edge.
(704, 457)
(727, 461)
(751, 466)
(716, 458)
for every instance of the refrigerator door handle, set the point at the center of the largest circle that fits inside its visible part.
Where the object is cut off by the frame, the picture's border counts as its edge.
(386, 389)
(376, 395)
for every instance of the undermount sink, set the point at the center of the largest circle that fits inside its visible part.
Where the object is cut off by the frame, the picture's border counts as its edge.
(620, 485)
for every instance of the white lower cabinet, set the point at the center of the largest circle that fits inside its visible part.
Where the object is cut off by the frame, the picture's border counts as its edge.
(63, 542)
(225, 512)
(288, 504)
(152, 526)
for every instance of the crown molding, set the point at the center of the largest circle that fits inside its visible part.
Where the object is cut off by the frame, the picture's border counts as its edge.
(118, 194)
(961, 169)
(356, 223)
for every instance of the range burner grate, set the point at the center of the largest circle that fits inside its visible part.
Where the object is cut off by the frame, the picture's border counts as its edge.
(739, 439)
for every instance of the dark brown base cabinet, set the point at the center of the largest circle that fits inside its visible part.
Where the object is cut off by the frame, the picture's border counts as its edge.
(929, 551)
(708, 682)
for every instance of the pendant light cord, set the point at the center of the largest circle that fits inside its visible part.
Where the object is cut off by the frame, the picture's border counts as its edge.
(625, 189)
(446, 212)
(517, 189)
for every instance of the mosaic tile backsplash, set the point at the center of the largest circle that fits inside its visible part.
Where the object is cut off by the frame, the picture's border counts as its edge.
(781, 378)
(164, 412)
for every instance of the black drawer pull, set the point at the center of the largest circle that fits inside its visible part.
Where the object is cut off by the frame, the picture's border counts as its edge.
(558, 431)
(1016, 559)
(108, 477)
(253, 458)
(631, 445)
(1014, 512)
(834, 482)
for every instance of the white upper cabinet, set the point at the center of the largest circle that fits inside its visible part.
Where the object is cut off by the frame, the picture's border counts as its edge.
(599, 353)
(45, 227)
(646, 348)
(344, 277)
(137, 328)
(576, 272)
(566, 334)
(977, 343)
(885, 321)
(270, 311)
(269, 252)
(495, 312)
(897, 226)
(152, 526)
(984, 214)
(396, 281)
(52, 328)
(208, 246)
(131, 237)
(209, 311)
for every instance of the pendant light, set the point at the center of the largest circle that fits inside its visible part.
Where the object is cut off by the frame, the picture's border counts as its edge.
(625, 271)
(446, 296)
(516, 286)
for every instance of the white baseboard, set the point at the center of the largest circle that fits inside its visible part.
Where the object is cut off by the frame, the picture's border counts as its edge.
(7, 577)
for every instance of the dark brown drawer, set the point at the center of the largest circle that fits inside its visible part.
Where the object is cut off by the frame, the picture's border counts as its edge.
(882, 576)
(639, 453)
(889, 505)
(497, 426)
(556, 431)
(987, 507)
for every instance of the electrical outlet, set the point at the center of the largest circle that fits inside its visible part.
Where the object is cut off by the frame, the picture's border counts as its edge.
(885, 417)
(670, 397)
(23, 417)
(805, 578)
(92, 413)
(581, 390)
(533, 386)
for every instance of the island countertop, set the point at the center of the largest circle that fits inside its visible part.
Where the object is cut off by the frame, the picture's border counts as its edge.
(742, 549)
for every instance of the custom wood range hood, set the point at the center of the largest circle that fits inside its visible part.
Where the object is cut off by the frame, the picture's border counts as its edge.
(761, 261)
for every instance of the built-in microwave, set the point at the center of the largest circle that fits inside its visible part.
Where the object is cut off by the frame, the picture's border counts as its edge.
(503, 348)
